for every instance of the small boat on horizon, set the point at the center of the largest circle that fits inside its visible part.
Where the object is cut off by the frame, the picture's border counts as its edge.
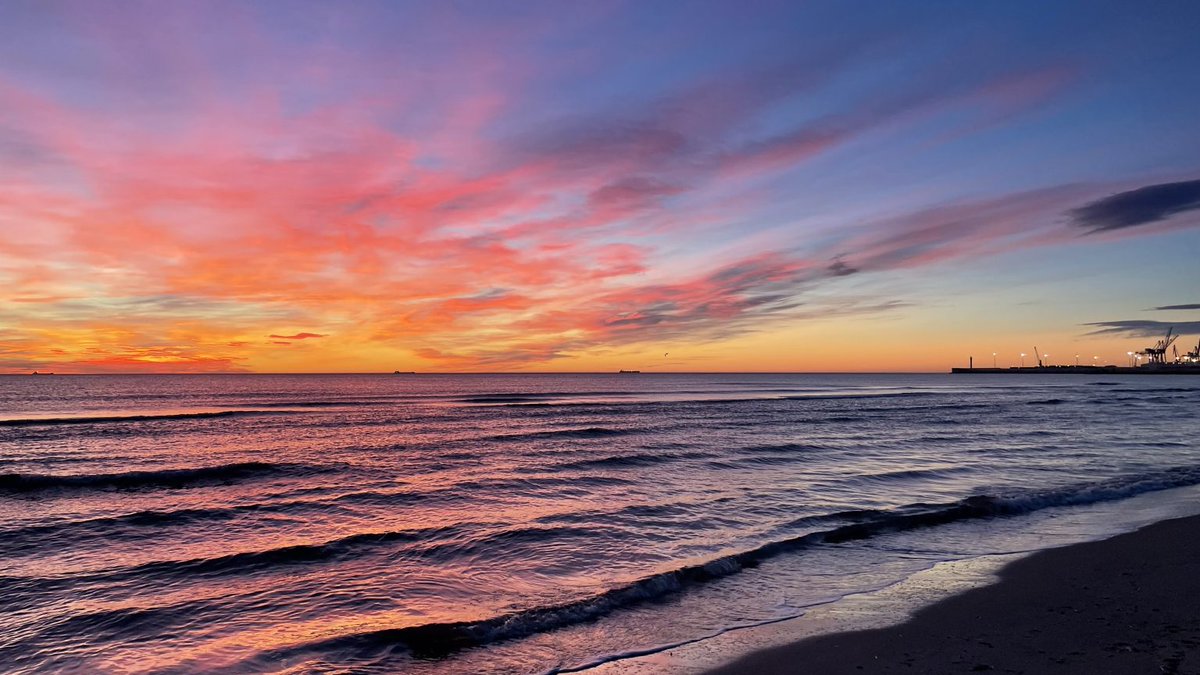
(629, 372)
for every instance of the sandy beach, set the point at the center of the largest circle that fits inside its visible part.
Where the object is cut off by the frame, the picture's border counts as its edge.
(1123, 605)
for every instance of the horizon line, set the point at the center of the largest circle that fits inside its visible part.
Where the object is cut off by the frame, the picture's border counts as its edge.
(505, 372)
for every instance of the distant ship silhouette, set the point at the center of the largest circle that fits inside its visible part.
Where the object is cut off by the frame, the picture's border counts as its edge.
(629, 371)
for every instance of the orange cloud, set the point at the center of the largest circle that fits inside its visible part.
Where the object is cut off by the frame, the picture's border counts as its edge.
(425, 224)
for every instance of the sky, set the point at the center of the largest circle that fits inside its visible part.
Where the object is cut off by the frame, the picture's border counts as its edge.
(588, 186)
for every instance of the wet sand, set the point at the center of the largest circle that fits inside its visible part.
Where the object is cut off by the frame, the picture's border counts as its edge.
(1130, 604)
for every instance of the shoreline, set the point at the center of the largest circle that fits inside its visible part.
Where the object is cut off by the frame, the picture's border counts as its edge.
(1120, 605)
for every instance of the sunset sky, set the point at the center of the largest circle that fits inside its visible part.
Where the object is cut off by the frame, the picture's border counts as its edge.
(561, 186)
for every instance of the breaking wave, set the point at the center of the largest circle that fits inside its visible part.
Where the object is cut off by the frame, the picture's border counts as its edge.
(433, 640)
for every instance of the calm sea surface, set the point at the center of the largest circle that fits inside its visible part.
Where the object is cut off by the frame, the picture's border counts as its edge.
(522, 523)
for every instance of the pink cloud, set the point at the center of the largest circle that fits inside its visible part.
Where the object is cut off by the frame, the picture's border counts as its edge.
(413, 214)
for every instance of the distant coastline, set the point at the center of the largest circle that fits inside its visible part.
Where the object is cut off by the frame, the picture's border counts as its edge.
(1082, 370)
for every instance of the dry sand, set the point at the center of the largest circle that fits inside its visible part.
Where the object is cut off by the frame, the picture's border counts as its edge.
(1130, 604)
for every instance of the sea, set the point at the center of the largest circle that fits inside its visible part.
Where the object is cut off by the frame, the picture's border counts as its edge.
(532, 523)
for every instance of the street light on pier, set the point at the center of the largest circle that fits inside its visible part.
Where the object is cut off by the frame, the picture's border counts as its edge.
(993, 359)
(1022, 359)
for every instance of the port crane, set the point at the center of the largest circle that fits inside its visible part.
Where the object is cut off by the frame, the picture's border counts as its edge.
(1158, 353)
(1190, 357)
(1162, 358)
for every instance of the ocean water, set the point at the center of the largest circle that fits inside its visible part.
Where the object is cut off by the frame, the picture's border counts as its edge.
(523, 523)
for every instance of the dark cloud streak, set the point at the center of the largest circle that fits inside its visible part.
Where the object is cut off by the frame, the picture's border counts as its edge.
(297, 336)
(839, 268)
(1142, 206)
(1143, 328)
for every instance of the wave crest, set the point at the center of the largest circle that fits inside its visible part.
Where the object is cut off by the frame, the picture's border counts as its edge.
(19, 483)
(149, 417)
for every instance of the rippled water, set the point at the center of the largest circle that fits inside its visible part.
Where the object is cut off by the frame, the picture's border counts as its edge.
(521, 523)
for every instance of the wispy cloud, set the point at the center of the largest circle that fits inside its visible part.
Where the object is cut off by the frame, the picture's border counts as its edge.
(171, 196)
